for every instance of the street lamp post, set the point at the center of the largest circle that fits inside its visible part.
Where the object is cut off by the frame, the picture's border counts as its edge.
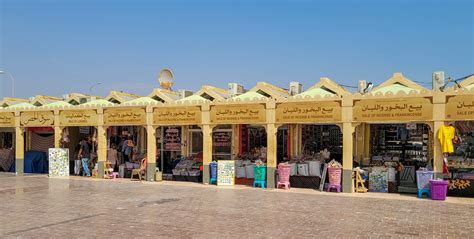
(94, 85)
(12, 79)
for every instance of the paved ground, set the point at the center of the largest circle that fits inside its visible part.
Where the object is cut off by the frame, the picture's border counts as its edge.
(35, 206)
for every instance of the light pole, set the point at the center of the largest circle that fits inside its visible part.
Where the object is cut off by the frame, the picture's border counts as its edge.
(94, 85)
(13, 81)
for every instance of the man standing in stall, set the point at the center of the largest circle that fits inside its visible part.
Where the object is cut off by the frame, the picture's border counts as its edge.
(84, 155)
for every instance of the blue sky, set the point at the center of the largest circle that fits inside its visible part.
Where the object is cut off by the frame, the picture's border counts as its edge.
(55, 47)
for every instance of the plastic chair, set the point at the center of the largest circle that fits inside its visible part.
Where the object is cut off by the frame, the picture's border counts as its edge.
(213, 167)
(424, 191)
(334, 179)
(260, 174)
(284, 171)
(141, 170)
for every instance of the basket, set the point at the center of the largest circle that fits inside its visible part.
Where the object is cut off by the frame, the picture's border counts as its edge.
(334, 176)
(423, 179)
(213, 170)
(284, 171)
(260, 173)
(439, 189)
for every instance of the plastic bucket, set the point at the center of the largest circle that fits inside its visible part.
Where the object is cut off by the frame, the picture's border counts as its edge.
(439, 189)
(260, 173)
(213, 167)
(423, 179)
(284, 173)
(335, 176)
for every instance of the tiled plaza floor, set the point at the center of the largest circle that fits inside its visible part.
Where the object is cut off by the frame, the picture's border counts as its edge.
(35, 206)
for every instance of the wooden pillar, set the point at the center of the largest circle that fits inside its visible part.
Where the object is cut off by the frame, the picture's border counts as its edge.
(184, 140)
(235, 149)
(101, 144)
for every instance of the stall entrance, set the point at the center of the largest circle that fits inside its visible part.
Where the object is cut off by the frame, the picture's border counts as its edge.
(180, 152)
(73, 138)
(319, 144)
(126, 150)
(38, 142)
(7, 149)
(250, 150)
(392, 155)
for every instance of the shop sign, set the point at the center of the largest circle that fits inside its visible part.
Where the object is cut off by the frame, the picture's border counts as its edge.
(460, 107)
(177, 116)
(125, 116)
(37, 119)
(7, 119)
(173, 139)
(238, 114)
(225, 172)
(415, 109)
(308, 112)
(222, 139)
(78, 118)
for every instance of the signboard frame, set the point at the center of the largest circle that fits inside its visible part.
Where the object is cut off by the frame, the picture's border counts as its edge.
(393, 110)
(182, 115)
(460, 107)
(78, 118)
(308, 112)
(37, 119)
(238, 114)
(7, 119)
(121, 116)
(227, 177)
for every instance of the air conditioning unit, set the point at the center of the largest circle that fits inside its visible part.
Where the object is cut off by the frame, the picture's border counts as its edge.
(361, 86)
(185, 93)
(438, 80)
(295, 88)
(235, 89)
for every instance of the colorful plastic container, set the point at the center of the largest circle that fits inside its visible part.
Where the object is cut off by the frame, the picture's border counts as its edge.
(439, 189)
(260, 173)
(334, 176)
(213, 170)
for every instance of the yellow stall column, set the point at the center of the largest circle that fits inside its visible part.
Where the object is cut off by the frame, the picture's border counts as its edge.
(19, 149)
(151, 153)
(347, 157)
(272, 130)
(206, 152)
(101, 150)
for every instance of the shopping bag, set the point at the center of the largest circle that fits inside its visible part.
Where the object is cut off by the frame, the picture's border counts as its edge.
(249, 171)
(240, 172)
(314, 168)
(294, 169)
(303, 169)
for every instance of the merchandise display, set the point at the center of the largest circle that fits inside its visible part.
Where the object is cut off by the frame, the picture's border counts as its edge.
(400, 149)
(461, 161)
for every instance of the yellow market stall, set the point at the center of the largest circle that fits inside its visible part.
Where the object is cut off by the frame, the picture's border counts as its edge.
(395, 135)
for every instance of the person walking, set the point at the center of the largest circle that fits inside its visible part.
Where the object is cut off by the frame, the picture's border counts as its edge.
(77, 162)
(127, 149)
(84, 155)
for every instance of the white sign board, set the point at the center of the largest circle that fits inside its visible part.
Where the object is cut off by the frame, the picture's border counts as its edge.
(225, 172)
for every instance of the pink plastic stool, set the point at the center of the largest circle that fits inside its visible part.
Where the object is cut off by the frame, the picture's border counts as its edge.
(114, 175)
(337, 187)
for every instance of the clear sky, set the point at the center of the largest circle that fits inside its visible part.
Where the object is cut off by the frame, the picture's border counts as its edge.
(55, 47)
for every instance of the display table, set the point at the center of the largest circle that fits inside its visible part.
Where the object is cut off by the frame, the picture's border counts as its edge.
(305, 182)
(461, 186)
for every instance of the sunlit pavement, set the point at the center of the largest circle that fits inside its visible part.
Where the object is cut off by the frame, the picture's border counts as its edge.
(35, 206)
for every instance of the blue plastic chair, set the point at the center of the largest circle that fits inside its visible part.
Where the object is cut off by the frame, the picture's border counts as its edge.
(213, 167)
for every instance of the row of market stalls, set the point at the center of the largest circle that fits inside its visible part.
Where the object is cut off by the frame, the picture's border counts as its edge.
(389, 132)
